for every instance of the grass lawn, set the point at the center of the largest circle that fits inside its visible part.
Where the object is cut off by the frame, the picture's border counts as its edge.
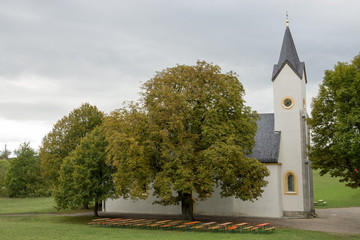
(63, 227)
(335, 193)
(27, 205)
(32, 205)
(69, 227)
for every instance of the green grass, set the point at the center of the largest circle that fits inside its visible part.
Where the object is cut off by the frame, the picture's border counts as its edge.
(32, 205)
(70, 227)
(27, 205)
(334, 193)
(64, 227)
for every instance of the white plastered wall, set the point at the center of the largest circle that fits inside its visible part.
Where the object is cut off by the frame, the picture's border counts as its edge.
(288, 84)
(121, 205)
(269, 205)
(216, 205)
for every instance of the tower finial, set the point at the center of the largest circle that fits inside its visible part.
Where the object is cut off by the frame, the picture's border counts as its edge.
(287, 18)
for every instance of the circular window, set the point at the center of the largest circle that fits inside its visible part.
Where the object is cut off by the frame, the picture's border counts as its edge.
(288, 102)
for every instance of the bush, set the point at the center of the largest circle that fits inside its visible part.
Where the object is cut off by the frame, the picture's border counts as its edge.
(24, 177)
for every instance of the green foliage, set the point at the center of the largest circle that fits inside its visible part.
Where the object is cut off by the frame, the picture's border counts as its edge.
(335, 124)
(84, 175)
(4, 168)
(66, 136)
(25, 176)
(191, 134)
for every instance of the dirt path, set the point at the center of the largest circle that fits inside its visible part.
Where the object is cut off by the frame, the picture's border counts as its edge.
(332, 220)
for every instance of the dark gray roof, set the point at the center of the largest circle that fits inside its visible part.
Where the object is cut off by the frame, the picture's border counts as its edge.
(289, 55)
(267, 145)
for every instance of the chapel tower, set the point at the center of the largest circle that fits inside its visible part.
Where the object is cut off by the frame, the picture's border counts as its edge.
(289, 86)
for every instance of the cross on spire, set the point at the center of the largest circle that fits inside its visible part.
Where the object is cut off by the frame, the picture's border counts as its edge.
(287, 18)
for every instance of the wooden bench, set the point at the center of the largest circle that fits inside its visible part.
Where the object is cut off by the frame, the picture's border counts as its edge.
(121, 222)
(224, 225)
(236, 227)
(107, 222)
(248, 228)
(214, 228)
(232, 228)
(97, 221)
(255, 229)
(188, 225)
(157, 224)
(171, 225)
(204, 225)
(221, 226)
(143, 224)
(262, 226)
(132, 222)
(113, 221)
(268, 230)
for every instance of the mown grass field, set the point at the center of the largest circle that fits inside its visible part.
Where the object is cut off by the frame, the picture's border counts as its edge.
(334, 193)
(42, 226)
(27, 205)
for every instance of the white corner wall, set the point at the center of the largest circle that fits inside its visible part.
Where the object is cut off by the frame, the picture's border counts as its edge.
(270, 204)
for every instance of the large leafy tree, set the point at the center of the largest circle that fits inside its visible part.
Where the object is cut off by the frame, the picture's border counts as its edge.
(4, 168)
(84, 175)
(25, 176)
(191, 133)
(65, 136)
(335, 124)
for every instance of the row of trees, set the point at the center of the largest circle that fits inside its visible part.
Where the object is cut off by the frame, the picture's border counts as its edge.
(190, 132)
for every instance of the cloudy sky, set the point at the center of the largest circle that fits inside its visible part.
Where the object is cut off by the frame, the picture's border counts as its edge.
(56, 55)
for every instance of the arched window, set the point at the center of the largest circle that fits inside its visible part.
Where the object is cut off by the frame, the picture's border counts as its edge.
(290, 183)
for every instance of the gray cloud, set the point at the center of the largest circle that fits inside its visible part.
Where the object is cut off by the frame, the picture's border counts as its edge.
(55, 55)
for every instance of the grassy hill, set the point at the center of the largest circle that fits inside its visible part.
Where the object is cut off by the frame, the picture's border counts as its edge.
(334, 193)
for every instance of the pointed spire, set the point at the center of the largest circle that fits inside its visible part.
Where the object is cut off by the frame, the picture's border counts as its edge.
(288, 55)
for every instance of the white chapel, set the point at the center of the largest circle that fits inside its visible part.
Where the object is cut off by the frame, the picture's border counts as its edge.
(281, 144)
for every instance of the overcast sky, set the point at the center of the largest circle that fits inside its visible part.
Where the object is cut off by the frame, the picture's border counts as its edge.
(56, 55)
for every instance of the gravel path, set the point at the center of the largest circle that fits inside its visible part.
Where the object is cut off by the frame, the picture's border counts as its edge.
(332, 220)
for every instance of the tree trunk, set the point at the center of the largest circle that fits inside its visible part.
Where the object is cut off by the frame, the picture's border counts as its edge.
(96, 207)
(187, 206)
(85, 206)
